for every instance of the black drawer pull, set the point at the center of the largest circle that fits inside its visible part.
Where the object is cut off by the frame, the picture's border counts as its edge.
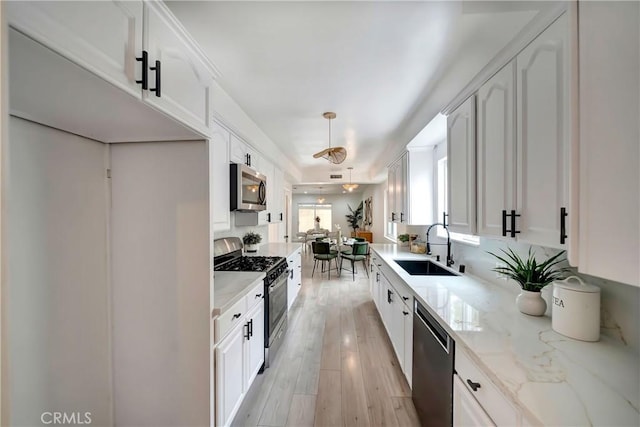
(145, 63)
(258, 295)
(405, 298)
(157, 88)
(563, 225)
(406, 313)
(246, 334)
(237, 316)
(474, 386)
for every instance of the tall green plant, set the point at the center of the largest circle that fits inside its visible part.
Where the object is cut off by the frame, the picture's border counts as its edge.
(530, 275)
(355, 217)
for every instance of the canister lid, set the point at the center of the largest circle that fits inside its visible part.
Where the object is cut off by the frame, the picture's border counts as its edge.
(574, 283)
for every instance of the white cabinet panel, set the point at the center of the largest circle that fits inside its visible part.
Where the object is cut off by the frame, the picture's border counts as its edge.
(104, 37)
(496, 150)
(185, 80)
(461, 167)
(219, 178)
(609, 42)
(397, 190)
(467, 412)
(294, 281)
(407, 314)
(254, 346)
(543, 136)
(229, 374)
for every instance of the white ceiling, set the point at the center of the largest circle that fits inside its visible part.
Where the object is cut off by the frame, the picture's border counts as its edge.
(386, 68)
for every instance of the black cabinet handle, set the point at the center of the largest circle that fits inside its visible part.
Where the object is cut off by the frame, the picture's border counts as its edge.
(258, 296)
(157, 89)
(299, 284)
(145, 64)
(236, 316)
(444, 218)
(405, 298)
(513, 223)
(504, 223)
(246, 333)
(563, 225)
(269, 217)
(389, 293)
(251, 327)
(393, 216)
(406, 313)
(247, 159)
(281, 216)
(512, 216)
(291, 273)
(474, 386)
(377, 276)
(401, 216)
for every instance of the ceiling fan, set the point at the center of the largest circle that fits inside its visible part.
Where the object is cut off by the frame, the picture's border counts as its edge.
(335, 155)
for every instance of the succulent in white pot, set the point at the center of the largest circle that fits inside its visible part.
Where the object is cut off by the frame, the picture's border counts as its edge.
(251, 241)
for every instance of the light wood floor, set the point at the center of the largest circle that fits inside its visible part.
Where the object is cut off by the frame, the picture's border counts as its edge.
(336, 366)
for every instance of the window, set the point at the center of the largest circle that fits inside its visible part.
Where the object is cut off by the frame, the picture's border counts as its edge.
(441, 204)
(307, 214)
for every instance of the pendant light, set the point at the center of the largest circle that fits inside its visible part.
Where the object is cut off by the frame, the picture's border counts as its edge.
(350, 186)
(335, 155)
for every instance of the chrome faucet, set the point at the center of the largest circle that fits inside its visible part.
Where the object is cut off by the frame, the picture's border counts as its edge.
(449, 258)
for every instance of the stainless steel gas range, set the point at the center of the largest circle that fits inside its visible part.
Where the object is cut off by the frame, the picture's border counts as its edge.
(228, 257)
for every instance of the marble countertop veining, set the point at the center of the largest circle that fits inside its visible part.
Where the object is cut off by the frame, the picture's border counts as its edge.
(552, 379)
(276, 249)
(230, 286)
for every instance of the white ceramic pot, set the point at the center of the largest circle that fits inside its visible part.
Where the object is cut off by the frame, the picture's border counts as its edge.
(251, 248)
(576, 309)
(531, 303)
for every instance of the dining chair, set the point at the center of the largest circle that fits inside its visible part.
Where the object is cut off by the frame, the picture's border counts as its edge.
(322, 252)
(358, 253)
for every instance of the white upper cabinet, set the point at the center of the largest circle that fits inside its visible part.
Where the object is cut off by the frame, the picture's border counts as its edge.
(277, 193)
(219, 184)
(609, 42)
(397, 190)
(180, 83)
(461, 167)
(420, 188)
(543, 138)
(104, 37)
(496, 151)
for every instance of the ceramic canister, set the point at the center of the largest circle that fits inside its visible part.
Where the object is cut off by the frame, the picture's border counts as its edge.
(576, 309)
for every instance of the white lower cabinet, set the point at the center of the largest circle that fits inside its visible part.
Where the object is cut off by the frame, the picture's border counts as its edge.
(467, 412)
(294, 281)
(238, 357)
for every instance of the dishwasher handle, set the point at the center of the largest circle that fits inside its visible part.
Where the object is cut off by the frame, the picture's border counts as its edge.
(433, 326)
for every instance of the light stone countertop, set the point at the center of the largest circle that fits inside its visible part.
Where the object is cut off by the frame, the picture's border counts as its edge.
(231, 286)
(276, 249)
(552, 379)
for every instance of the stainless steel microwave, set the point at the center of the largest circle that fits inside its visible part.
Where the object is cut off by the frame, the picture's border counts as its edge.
(248, 189)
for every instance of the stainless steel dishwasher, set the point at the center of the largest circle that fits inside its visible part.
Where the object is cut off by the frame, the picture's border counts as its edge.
(433, 352)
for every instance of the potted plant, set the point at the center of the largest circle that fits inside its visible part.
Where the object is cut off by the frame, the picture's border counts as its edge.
(251, 241)
(531, 276)
(403, 239)
(354, 218)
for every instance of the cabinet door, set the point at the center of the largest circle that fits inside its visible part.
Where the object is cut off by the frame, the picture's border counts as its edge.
(396, 327)
(400, 192)
(219, 178)
(609, 150)
(229, 376)
(467, 412)
(185, 80)
(254, 346)
(407, 314)
(278, 195)
(496, 151)
(461, 167)
(238, 151)
(543, 136)
(104, 37)
(391, 193)
(293, 280)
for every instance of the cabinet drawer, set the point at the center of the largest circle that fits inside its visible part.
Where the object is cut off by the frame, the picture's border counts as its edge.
(255, 296)
(488, 395)
(230, 318)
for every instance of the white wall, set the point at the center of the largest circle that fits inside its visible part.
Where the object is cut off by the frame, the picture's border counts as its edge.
(160, 279)
(338, 209)
(58, 330)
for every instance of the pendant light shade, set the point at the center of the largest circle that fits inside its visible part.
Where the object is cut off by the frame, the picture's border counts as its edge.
(350, 186)
(335, 155)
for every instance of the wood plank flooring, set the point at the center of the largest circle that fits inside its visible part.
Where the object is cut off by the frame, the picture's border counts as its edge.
(336, 366)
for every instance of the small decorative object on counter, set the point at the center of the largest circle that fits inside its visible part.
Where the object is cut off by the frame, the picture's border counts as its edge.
(316, 223)
(531, 276)
(251, 241)
(403, 239)
(576, 309)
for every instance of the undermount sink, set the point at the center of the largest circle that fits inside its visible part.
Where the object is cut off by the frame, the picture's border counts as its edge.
(423, 268)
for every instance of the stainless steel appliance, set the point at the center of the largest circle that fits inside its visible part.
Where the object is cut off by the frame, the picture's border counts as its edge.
(432, 380)
(228, 257)
(248, 189)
